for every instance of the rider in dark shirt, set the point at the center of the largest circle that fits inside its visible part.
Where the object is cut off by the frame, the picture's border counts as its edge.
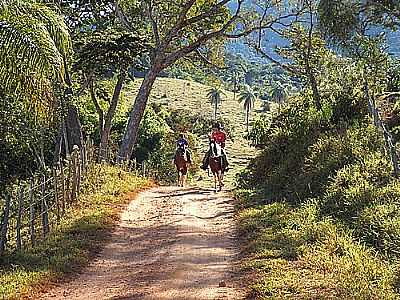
(183, 144)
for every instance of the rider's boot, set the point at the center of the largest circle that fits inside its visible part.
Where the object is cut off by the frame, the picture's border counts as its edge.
(225, 162)
(189, 157)
(204, 166)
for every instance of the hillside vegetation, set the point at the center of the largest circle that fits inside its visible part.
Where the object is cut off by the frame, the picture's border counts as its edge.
(190, 98)
(319, 204)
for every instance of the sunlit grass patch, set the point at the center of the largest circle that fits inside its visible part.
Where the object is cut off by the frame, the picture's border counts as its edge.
(77, 238)
(299, 254)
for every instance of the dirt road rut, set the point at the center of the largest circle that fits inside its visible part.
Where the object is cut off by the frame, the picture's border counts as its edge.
(171, 244)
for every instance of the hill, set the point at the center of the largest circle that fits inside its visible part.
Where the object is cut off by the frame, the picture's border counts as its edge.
(177, 94)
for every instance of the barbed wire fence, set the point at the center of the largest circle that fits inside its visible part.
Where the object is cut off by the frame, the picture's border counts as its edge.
(31, 209)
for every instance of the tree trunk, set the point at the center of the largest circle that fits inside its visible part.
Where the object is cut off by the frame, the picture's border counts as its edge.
(247, 118)
(105, 135)
(74, 129)
(234, 88)
(98, 108)
(136, 114)
(316, 95)
(72, 123)
(215, 109)
(58, 145)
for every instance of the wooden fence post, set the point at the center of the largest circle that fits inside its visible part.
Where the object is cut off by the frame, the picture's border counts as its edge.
(56, 194)
(135, 166)
(32, 212)
(19, 216)
(63, 196)
(79, 172)
(4, 225)
(144, 168)
(74, 173)
(45, 212)
(68, 180)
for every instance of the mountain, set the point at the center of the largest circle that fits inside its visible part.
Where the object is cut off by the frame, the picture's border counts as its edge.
(393, 43)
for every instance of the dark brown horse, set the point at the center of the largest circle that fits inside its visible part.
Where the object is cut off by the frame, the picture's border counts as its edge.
(216, 165)
(181, 164)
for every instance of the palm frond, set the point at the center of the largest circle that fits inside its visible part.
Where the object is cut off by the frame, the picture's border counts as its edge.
(33, 43)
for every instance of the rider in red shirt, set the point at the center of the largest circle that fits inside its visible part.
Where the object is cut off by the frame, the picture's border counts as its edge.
(219, 137)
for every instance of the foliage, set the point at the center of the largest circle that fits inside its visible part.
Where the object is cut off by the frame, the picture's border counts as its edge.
(247, 97)
(22, 139)
(343, 20)
(335, 232)
(35, 45)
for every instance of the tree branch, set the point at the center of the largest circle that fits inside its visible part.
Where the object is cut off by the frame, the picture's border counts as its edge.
(207, 61)
(100, 112)
(173, 57)
(154, 24)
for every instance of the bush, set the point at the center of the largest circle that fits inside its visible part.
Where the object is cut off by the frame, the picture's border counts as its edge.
(354, 187)
(283, 158)
(379, 226)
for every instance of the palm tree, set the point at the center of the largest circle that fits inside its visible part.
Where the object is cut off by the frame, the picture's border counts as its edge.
(215, 96)
(233, 79)
(248, 97)
(34, 46)
(278, 94)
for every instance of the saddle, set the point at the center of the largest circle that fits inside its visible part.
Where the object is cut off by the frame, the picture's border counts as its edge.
(216, 149)
(180, 150)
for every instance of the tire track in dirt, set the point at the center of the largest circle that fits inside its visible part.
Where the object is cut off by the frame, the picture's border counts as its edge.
(171, 243)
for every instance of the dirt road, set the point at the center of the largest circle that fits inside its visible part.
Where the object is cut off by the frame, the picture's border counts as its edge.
(171, 244)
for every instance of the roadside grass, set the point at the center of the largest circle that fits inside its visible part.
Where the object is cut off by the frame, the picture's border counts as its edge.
(78, 237)
(297, 254)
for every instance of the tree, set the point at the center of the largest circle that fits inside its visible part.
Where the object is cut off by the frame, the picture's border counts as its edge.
(101, 53)
(180, 29)
(304, 40)
(233, 79)
(34, 47)
(278, 94)
(248, 97)
(343, 20)
(215, 96)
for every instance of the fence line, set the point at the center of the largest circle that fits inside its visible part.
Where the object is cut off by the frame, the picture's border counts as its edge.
(37, 206)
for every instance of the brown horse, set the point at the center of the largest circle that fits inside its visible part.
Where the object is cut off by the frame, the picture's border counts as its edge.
(216, 165)
(181, 164)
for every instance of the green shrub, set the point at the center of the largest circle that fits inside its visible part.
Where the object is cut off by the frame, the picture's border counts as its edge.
(331, 152)
(379, 225)
(354, 187)
(278, 165)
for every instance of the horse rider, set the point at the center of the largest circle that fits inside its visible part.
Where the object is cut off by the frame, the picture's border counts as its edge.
(219, 136)
(182, 143)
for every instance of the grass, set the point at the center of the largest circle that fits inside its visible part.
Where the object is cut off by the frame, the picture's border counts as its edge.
(298, 255)
(77, 239)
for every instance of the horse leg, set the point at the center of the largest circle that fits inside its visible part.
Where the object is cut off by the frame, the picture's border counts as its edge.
(184, 177)
(179, 178)
(220, 181)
